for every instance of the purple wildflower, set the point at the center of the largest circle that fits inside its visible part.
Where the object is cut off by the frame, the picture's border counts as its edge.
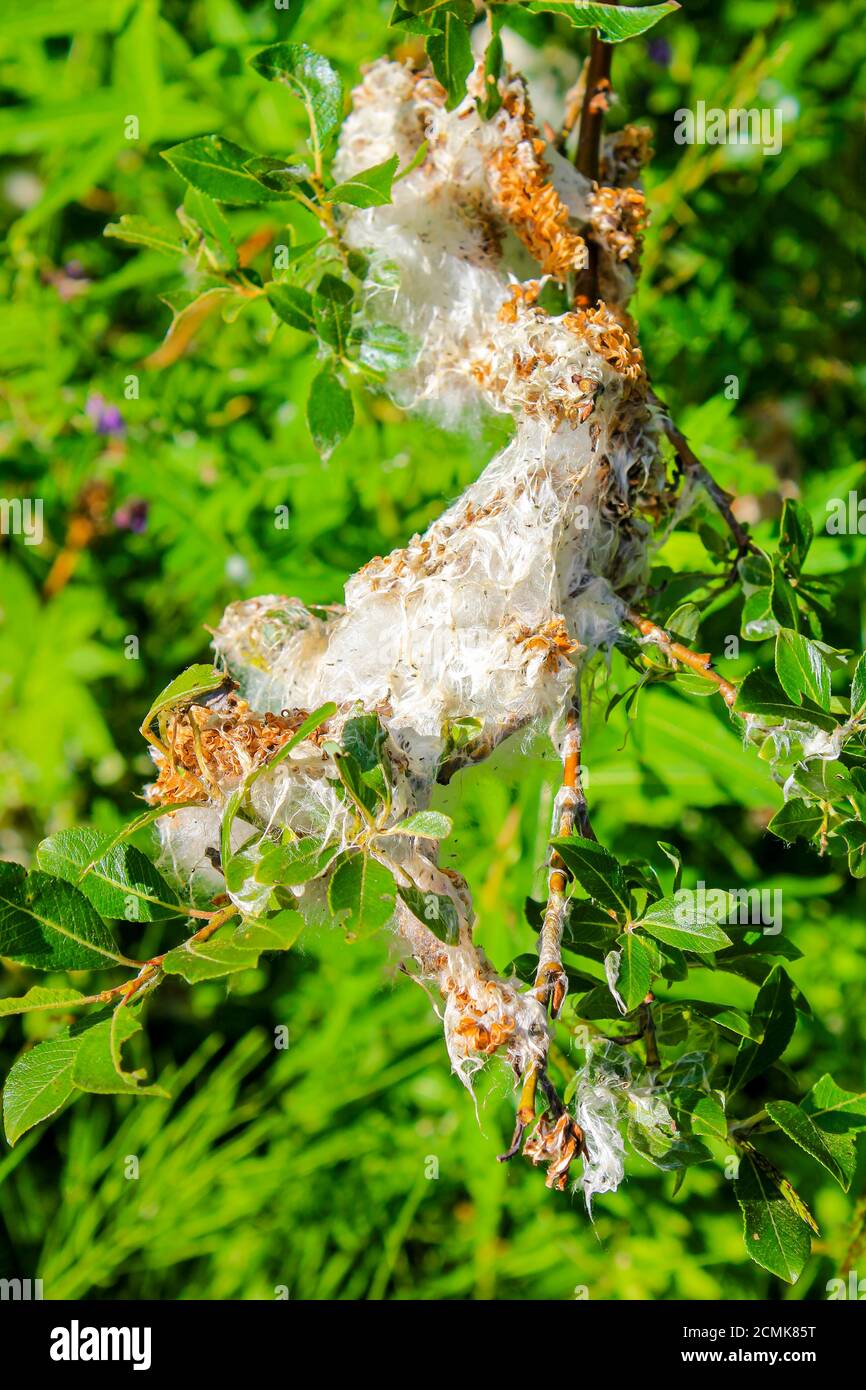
(132, 516)
(106, 418)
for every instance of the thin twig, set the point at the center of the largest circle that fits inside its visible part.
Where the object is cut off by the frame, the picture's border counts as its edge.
(648, 1031)
(525, 1111)
(693, 468)
(699, 662)
(552, 1095)
(152, 968)
(551, 982)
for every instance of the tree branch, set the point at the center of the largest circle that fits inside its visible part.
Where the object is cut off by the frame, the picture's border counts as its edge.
(596, 100)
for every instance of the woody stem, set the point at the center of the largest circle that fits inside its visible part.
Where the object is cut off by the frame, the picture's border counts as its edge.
(587, 160)
(551, 981)
(588, 156)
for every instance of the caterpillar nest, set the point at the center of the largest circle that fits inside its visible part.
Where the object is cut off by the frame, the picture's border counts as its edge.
(489, 615)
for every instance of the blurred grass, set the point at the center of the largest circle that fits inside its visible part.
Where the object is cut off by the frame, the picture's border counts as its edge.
(307, 1168)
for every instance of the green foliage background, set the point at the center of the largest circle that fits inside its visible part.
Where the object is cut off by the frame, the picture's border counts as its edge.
(308, 1167)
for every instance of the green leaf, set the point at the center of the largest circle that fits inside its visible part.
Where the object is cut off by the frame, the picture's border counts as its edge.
(489, 103)
(784, 598)
(39, 998)
(667, 961)
(795, 536)
(774, 1235)
(332, 311)
(858, 687)
(668, 1152)
(210, 960)
(708, 1119)
(596, 1003)
(217, 167)
(825, 779)
(758, 620)
(363, 739)
(233, 949)
(190, 310)
(98, 1064)
(294, 863)
(731, 1020)
(797, 819)
(672, 854)
(450, 52)
(119, 881)
(752, 960)
(361, 894)
(278, 931)
(595, 870)
(238, 869)
(414, 163)
(633, 970)
(230, 813)
(207, 218)
(430, 825)
(185, 690)
(383, 347)
(587, 925)
(834, 1110)
(37, 1085)
(684, 622)
(293, 305)
(755, 571)
(640, 873)
(614, 23)
(688, 923)
(801, 668)
(415, 23)
(436, 910)
(760, 694)
(457, 733)
(312, 78)
(853, 832)
(280, 177)
(357, 786)
(834, 1152)
(330, 412)
(138, 232)
(774, 1017)
(46, 923)
(369, 188)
